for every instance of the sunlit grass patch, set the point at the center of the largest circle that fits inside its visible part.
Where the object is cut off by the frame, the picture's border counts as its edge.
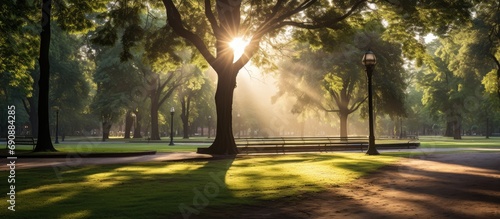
(76, 215)
(269, 178)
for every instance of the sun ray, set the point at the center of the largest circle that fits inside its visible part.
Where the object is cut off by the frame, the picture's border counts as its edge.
(238, 45)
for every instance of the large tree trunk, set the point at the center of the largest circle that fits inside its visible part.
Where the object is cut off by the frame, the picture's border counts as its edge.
(44, 142)
(129, 122)
(224, 140)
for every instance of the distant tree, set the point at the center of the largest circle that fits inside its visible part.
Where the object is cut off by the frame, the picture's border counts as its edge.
(485, 32)
(112, 99)
(162, 87)
(452, 88)
(342, 77)
(188, 95)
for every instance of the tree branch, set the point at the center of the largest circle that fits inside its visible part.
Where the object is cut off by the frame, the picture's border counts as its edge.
(211, 18)
(494, 58)
(356, 106)
(329, 23)
(175, 21)
(268, 25)
(26, 107)
(169, 93)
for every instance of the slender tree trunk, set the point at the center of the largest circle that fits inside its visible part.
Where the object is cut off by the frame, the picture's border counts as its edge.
(449, 129)
(457, 129)
(33, 112)
(32, 109)
(487, 127)
(44, 142)
(106, 127)
(343, 124)
(185, 104)
(155, 134)
(224, 139)
(185, 127)
(129, 122)
(138, 125)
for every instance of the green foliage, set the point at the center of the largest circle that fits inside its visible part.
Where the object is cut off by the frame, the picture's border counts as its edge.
(137, 25)
(407, 20)
(73, 15)
(69, 86)
(116, 83)
(18, 43)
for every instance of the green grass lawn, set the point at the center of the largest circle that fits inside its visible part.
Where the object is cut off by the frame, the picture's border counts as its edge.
(166, 189)
(465, 142)
(94, 145)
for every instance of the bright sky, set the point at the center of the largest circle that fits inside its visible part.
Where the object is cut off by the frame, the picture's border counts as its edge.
(430, 37)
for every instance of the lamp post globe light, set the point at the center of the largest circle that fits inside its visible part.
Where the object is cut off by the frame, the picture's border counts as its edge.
(172, 111)
(369, 61)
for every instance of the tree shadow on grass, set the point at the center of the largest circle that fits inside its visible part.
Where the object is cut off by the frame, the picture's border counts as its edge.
(144, 190)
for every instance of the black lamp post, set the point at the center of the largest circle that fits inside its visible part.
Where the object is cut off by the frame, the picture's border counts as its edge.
(172, 111)
(369, 61)
(239, 126)
(209, 124)
(57, 127)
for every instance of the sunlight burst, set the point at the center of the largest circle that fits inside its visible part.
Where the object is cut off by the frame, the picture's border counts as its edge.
(238, 45)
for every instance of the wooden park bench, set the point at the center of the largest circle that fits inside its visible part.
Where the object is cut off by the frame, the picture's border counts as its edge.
(21, 140)
(300, 144)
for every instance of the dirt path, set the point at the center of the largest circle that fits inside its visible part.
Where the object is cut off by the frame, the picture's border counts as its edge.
(435, 186)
